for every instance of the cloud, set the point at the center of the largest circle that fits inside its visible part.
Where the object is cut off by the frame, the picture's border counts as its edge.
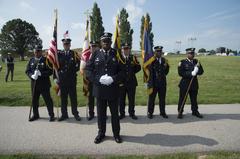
(47, 30)
(78, 25)
(26, 6)
(141, 2)
(2, 21)
(223, 15)
(134, 11)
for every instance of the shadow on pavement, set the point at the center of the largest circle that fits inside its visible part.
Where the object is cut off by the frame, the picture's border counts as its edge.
(188, 118)
(170, 140)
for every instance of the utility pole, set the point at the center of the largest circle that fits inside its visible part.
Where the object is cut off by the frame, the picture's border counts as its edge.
(192, 39)
(178, 43)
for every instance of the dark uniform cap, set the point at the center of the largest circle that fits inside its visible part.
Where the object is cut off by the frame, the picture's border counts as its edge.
(94, 43)
(106, 35)
(38, 47)
(190, 50)
(158, 48)
(66, 41)
(126, 45)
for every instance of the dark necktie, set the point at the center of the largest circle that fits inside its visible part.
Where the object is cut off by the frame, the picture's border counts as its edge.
(106, 55)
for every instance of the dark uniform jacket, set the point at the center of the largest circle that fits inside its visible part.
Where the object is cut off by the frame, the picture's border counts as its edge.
(185, 69)
(69, 64)
(43, 81)
(10, 62)
(130, 67)
(97, 66)
(158, 73)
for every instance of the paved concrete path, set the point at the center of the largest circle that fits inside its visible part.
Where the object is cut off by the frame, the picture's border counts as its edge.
(218, 130)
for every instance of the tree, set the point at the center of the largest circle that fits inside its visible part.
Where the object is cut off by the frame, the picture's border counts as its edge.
(202, 50)
(142, 29)
(96, 24)
(221, 50)
(125, 28)
(18, 36)
(212, 52)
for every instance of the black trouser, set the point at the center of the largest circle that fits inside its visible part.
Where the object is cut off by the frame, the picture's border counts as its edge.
(9, 69)
(161, 96)
(102, 114)
(193, 99)
(130, 92)
(47, 98)
(90, 100)
(71, 91)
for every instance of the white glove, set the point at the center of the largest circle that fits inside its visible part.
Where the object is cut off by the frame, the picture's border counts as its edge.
(195, 71)
(103, 79)
(109, 80)
(39, 73)
(34, 77)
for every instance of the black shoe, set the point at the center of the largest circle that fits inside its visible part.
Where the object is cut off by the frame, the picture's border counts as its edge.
(99, 139)
(164, 115)
(52, 118)
(62, 118)
(122, 116)
(90, 117)
(33, 118)
(77, 117)
(197, 114)
(150, 116)
(118, 139)
(134, 117)
(180, 116)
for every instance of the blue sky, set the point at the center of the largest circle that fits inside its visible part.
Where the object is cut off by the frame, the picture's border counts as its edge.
(213, 23)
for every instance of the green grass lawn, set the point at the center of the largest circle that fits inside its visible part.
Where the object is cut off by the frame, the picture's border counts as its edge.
(211, 155)
(219, 84)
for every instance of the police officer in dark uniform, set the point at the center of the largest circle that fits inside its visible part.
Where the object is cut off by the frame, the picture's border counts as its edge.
(94, 47)
(39, 71)
(158, 72)
(128, 87)
(189, 69)
(10, 66)
(105, 72)
(68, 67)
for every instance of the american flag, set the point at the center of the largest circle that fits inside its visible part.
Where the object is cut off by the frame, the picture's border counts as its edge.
(53, 53)
(86, 54)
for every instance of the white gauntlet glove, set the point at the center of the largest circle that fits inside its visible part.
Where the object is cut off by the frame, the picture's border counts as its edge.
(195, 71)
(103, 79)
(35, 75)
(109, 80)
(106, 80)
(39, 73)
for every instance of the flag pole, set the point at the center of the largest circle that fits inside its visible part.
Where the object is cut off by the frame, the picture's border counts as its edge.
(87, 13)
(55, 69)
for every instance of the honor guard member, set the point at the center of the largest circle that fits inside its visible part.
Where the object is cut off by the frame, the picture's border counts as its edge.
(67, 72)
(39, 70)
(10, 66)
(159, 69)
(105, 72)
(189, 69)
(128, 87)
(94, 46)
